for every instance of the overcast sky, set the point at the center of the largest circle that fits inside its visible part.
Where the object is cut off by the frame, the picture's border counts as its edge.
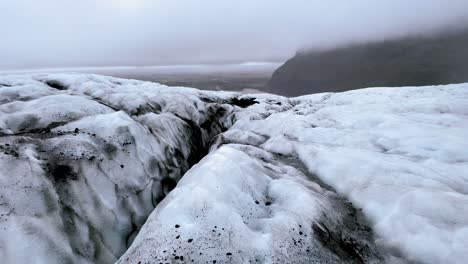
(52, 33)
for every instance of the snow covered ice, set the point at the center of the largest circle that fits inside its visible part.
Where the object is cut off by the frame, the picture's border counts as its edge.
(85, 159)
(96, 169)
(399, 154)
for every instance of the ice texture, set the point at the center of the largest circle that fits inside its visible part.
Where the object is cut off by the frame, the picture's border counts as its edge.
(84, 160)
(96, 169)
(400, 154)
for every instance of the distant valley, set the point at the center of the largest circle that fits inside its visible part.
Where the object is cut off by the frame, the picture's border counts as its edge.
(249, 77)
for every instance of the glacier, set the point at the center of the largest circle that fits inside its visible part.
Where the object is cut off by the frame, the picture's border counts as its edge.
(95, 169)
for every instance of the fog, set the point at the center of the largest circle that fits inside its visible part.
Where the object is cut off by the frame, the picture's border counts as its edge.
(70, 33)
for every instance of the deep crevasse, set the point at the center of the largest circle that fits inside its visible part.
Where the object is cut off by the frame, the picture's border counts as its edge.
(85, 159)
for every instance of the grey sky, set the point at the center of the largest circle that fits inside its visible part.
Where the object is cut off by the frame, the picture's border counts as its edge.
(51, 33)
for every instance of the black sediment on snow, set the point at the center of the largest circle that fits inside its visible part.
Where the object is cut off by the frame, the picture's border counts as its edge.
(350, 237)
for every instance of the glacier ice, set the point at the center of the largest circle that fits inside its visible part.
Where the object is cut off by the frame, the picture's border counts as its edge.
(83, 166)
(96, 169)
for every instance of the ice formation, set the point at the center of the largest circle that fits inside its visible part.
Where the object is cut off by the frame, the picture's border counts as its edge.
(96, 169)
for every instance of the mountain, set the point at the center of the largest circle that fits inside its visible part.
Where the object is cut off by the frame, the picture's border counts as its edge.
(411, 61)
(96, 169)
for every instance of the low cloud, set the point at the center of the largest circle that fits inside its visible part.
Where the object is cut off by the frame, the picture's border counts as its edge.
(56, 33)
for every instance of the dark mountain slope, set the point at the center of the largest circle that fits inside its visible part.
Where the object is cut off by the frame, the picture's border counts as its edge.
(440, 59)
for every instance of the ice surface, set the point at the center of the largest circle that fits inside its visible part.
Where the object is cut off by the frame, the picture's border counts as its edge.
(241, 204)
(399, 154)
(85, 159)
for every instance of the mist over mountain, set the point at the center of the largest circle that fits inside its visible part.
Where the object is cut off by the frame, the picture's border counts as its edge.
(66, 33)
(410, 61)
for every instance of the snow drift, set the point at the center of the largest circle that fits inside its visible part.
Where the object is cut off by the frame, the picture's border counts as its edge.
(96, 169)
